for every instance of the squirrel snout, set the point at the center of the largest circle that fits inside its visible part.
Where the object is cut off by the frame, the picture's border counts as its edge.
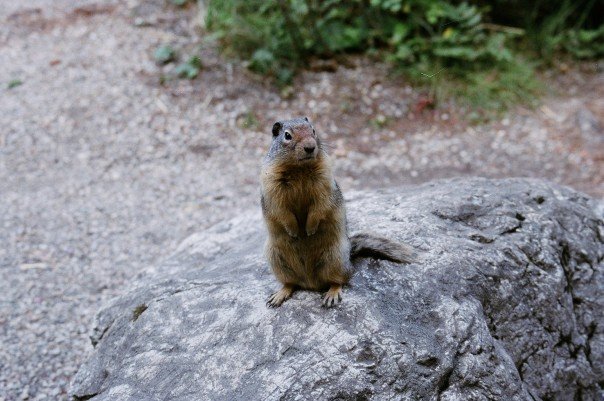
(306, 149)
(309, 145)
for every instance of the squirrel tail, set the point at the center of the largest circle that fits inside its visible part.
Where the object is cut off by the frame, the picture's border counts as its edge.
(369, 245)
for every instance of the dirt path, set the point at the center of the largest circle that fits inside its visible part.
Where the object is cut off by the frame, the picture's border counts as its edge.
(103, 170)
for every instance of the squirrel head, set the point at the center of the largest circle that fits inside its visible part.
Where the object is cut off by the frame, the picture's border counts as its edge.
(295, 141)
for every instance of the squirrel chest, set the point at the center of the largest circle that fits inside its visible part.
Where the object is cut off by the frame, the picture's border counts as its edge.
(296, 191)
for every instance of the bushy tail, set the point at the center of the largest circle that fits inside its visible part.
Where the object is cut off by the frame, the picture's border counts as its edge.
(372, 246)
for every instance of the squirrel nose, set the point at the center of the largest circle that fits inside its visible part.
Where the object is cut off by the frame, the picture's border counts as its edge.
(309, 149)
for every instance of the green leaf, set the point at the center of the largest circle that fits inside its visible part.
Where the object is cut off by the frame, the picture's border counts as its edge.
(338, 36)
(474, 20)
(464, 53)
(179, 3)
(285, 76)
(195, 61)
(587, 36)
(13, 83)
(434, 13)
(262, 61)
(189, 69)
(389, 5)
(401, 31)
(186, 70)
(403, 52)
(495, 46)
(164, 54)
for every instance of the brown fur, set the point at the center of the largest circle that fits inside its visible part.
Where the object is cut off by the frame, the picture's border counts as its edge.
(308, 245)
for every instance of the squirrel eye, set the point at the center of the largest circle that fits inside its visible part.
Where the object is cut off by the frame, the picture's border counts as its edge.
(288, 136)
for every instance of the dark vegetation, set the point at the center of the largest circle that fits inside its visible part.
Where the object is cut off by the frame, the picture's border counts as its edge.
(483, 53)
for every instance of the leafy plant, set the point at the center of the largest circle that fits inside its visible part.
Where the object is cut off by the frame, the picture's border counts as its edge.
(431, 41)
(584, 44)
(279, 37)
(13, 83)
(569, 26)
(189, 69)
(164, 54)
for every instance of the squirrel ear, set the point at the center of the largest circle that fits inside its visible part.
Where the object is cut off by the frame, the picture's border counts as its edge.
(277, 128)
(307, 120)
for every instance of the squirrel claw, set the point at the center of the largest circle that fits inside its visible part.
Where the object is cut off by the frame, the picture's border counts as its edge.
(274, 301)
(332, 297)
(277, 299)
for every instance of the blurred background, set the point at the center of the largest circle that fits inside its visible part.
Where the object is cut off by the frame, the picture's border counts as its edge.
(127, 125)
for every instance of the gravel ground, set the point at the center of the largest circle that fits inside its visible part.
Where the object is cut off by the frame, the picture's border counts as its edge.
(103, 170)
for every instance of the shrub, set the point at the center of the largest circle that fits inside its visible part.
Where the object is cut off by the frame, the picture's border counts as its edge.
(575, 27)
(287, 32)
(584, 43)
(424, 38)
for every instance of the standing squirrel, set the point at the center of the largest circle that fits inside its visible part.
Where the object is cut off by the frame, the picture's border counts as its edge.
(308, 245)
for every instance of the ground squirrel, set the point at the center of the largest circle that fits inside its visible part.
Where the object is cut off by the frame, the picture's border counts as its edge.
(308, 245)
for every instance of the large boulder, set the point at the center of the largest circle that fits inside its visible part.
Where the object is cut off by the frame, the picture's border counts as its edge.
(505, 303)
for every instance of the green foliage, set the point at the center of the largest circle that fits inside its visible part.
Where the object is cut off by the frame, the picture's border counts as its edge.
(574, 27)
(560, 30)
(270, 32)
(189, 69)
(13, 83)
(421, 37)
(164, 54)
(584, 44)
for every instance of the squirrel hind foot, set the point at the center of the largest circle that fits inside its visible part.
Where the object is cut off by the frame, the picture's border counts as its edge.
(277, 299)
(333, 296)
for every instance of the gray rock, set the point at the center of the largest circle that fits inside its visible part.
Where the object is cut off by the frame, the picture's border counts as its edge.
(505, 304)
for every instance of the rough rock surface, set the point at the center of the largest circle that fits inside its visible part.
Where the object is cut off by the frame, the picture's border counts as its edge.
(506, 303)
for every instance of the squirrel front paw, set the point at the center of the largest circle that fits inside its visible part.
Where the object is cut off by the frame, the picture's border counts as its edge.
(292, 232)
(311, 229)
